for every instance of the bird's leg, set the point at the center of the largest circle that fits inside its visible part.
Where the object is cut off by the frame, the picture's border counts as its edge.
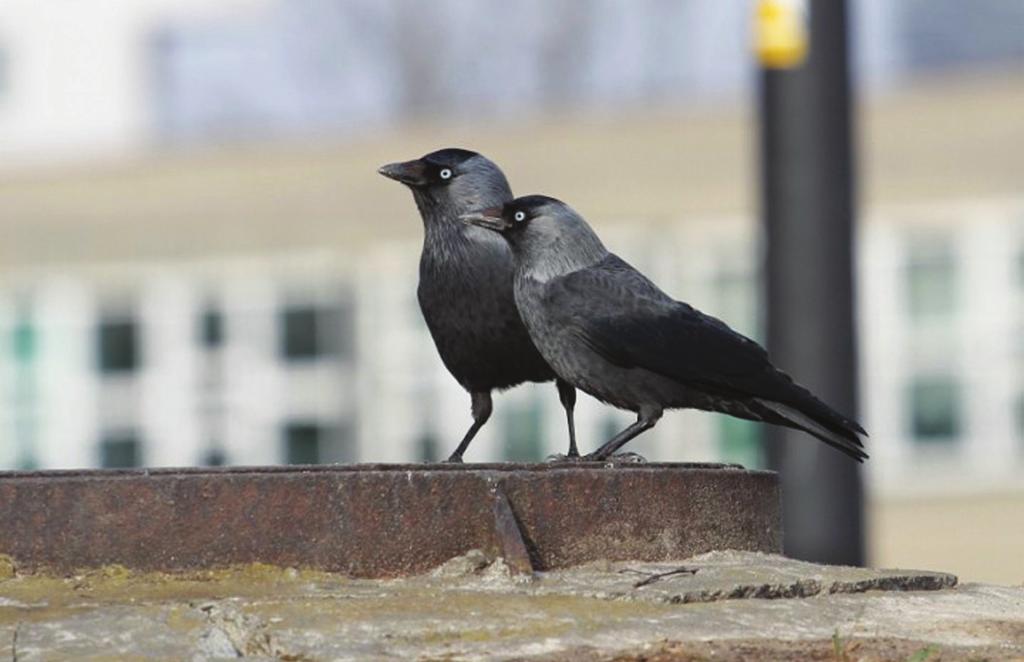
(481, 407)
(567, 394)
(645, 420)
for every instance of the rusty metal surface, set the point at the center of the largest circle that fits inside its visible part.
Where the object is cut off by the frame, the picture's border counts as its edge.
(383, 520)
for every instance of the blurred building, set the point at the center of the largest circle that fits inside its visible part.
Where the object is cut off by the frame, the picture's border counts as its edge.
(96, 77)
(258, 306)
(76, 78)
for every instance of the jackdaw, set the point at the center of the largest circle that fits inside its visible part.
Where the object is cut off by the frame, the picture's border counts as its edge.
(608, 330)
(465, 288)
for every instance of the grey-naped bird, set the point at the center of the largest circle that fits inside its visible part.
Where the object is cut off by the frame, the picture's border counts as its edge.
(465, 287)
(608, 330)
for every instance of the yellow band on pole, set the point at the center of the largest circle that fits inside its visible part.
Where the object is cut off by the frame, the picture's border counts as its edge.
(780, 33)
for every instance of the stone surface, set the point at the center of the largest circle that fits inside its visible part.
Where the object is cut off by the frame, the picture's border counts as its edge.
(6, 567)
(735, 575)
(734, 605)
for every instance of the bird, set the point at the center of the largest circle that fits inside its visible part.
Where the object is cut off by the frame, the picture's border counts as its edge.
(608, 330)
(465, 284)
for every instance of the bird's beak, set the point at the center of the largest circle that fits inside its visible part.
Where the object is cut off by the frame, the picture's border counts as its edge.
(489, 218)
(410, 173)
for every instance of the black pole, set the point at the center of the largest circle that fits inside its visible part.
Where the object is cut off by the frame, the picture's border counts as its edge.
(808, 210)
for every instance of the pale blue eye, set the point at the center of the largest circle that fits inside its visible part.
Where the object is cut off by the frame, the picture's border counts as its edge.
(520, 216)
(446, 173)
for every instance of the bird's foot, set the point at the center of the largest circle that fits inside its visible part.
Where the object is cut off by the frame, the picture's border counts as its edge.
(626, 458)
(561, 458)
(617, 458)
(454, 459)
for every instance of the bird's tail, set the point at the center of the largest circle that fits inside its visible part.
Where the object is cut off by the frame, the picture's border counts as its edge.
(809, 414)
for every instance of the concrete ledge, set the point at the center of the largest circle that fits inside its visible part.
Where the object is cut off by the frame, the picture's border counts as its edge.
(738, 606)
(384, 520)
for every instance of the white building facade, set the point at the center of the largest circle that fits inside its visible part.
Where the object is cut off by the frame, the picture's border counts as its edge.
(322, 356)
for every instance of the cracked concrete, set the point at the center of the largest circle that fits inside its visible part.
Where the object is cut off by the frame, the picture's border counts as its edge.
(727, 605)
(730, 575)
(234, 633)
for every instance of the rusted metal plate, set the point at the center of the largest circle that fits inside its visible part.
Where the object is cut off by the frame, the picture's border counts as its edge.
(383, 520)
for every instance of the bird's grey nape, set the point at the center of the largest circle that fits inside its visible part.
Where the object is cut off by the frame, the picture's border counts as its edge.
(556, 243)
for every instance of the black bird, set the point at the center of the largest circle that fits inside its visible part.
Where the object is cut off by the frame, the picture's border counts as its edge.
(608, 330)
(465, 289)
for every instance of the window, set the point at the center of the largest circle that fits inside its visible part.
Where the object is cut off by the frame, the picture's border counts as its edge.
(117, 345)
(739, 441)
(308, 441)
(24, 400)
(311, 332)
(211, 328)
(1018, 416)
(25, 433)
(611, 426)
(340, 445)
(299, 334)
(736, 304)
(303, 443)
(522, 425)
(935, 409)
(24, 339)
(428, 446)
(1019, 268)
(214, 456)
(931, 279)
(120, 450)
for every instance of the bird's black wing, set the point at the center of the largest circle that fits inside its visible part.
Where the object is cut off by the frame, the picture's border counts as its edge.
(625, 318)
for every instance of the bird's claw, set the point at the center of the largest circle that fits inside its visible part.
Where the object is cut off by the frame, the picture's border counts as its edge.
(627, 458)
(617, 458)
(561, 458)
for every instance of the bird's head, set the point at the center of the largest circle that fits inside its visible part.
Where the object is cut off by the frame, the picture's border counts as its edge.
(542, 231)
(451, 180)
